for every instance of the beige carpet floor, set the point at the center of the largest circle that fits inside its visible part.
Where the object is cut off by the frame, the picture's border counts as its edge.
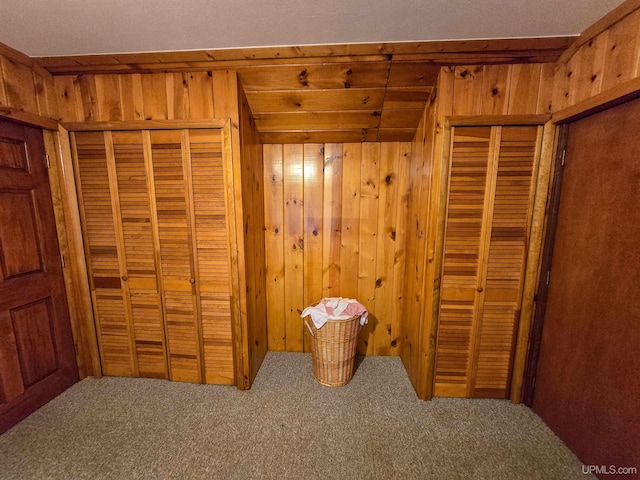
(286, 427)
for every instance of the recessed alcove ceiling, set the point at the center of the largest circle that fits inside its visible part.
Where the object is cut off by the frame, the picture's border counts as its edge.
(335, 70)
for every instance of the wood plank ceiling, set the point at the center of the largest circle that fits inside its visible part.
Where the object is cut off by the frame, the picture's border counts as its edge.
(343, 102)
(329, 93)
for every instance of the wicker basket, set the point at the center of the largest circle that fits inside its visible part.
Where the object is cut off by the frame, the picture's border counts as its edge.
(333, 350)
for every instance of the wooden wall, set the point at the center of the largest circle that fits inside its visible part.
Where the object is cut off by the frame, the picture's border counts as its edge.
(203, 95)
(25, 86)
(421, 170)
(27, 94)
(253, 228)
(519, 89)
(336, 226)
(153, 96)
(607, 58)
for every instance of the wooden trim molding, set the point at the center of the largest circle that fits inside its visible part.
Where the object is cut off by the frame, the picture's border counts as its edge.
(33, 64)
(27, 118)
(521, 50)
(65, 201)
(609, 98)
(144, 125)
(532, 269)
(492, 120)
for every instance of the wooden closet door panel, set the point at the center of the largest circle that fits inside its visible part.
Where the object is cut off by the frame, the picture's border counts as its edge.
(178, 276)
(509, 233)
(212, 248)
(114, 333)
(470, 155)
(139, 253)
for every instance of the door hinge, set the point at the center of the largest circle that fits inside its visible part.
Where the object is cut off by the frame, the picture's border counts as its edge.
(564, 157)
(548, 276)
(62, 261)
(47, 162)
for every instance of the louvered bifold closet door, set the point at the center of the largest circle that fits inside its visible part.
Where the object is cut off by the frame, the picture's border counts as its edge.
(508, 242)
(212, 253)
(154, 213)
(133, 297)
(140, 269)
(170, 178)
(466, 218)
(492, 176)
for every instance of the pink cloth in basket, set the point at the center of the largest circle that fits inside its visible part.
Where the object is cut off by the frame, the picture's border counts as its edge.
(336, 308)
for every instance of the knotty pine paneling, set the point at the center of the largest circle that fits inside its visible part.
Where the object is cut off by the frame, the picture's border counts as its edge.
(606, 61)
(471, 90)
(26, 88)
(335, 226)
(253, 208)
(139, 96)
(522, 89)
(418, 208)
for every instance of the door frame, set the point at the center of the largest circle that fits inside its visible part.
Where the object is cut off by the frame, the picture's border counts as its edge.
(562, 119)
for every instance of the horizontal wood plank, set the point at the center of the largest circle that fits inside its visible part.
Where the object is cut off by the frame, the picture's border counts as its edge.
(316, 100)
(145, 125)
(317, 120)
(318, 136)
(500, 49)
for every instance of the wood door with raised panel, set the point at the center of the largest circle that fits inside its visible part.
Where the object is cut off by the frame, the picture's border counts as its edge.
(491, 193)
(37, 356)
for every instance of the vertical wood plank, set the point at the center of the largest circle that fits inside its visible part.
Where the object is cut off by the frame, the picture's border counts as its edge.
(332, 220)
(467, 90)
(545, 90)
(386, 239)
(178, 96)
(293, 242)
(523, 92)
(226, 90)
(403, 164)
(622, 51)
(560, 97)
(41, 97)
(52, 98)
(131, 97)
(154, 96)
(313, 227)
(19, 87)
(200, 94)
(274, 244)
(588, 78)
(89, 97)
(108, 97)
(435, 234)
(350, 231)
(496, 87)
(369, 191)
